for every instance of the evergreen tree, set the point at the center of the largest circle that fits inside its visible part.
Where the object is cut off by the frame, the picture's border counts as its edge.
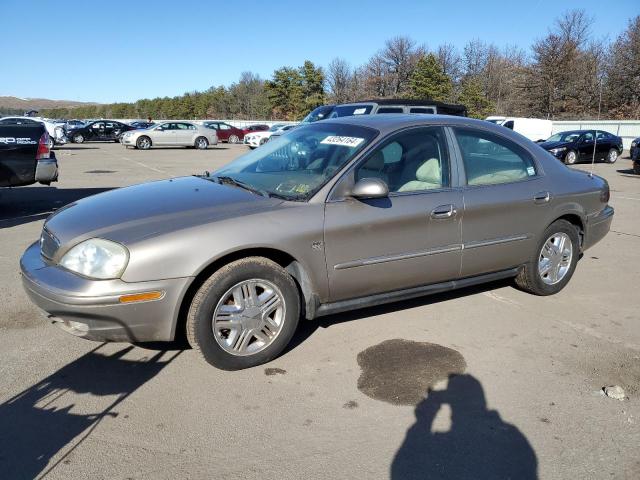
(472, 96)
(428, 80)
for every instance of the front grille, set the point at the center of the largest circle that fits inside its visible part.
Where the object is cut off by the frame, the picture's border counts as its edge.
(49, 244)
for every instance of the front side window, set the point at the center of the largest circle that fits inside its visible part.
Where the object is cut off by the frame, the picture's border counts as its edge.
(490, 159)
(296, 165)
(414, 160)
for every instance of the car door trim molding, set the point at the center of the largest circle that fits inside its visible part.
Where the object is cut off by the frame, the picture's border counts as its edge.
(495, 241)
(402, 256)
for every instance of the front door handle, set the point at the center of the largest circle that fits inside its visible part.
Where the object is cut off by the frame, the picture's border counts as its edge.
(443, 211)
(542, 197)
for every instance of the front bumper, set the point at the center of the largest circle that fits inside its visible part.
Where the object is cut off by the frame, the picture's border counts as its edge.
(128, 141)
(597, 227)
(91, 309)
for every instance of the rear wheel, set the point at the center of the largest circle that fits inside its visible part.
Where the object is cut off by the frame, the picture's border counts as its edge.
(51, 143)
(143, 143)
(612, 156)
(78, 138)
(234, 139)
(201, 143)
(571, 157)
(554, 261)
(244, 315)
(636, 168)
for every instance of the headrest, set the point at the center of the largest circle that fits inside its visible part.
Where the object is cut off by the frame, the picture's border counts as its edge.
(429, 171)
(376, 162)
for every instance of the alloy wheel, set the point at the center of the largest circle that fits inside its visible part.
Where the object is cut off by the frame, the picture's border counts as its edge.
(248, 317)
(554, 261)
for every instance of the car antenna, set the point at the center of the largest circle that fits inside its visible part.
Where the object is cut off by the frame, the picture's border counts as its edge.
(595, 132)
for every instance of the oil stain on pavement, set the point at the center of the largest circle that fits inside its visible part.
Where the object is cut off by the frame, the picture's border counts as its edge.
(400, 372)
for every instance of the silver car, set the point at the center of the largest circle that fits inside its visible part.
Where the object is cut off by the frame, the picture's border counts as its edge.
(170, 134)
(333, 216)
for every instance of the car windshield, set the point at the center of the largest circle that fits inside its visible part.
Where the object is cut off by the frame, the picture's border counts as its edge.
(319, 113)
(298, 164)
(568, 137)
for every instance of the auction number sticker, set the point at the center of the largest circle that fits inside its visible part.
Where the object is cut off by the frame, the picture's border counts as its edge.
(343, 141)
(360, 111)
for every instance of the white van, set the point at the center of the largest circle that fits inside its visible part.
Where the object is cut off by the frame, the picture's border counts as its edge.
(534, 129)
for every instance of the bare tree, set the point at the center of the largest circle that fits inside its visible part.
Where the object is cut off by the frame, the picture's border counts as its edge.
(339, 78)
(400, 55)
(450, 60)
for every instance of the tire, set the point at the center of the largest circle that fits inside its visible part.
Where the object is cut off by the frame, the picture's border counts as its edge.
(51, 143)
(571, 157)
(212, 298)
(636, 167)
(612, 156)
(201, 143)
(78, 138)
(143, 143)
(263, 141)
(233, 139)
(531, 278)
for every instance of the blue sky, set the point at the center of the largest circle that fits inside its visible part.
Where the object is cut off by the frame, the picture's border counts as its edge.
(128, 50)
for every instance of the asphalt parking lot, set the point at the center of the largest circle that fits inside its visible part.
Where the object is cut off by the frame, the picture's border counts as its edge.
(349, 399)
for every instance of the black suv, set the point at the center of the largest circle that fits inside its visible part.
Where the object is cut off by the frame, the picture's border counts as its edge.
(579, 145)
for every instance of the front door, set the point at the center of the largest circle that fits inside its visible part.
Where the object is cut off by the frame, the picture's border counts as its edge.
(505, 201)
(409, 239)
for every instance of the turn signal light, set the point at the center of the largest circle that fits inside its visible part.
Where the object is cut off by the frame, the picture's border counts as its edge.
(141, 297)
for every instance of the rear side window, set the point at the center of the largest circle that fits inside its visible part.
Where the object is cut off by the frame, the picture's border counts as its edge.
(422, 110)
(390, 110)
(490, 159)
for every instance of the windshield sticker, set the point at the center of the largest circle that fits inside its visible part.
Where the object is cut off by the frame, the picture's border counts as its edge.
(343, 141)
(531, 171)
(359, 111)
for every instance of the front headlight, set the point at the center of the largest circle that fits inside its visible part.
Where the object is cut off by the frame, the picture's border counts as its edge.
(97, 258)
(556, 151)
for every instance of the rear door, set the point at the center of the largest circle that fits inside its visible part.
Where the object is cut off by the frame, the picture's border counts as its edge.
(411, 238)
(505, 201)
(184, 134)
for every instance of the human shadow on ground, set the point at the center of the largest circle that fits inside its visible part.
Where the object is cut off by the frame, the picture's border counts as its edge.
(22, 205)
(479, 444)
(51, 415)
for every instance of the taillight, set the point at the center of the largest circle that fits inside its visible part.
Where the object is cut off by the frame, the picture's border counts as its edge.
(43, 147)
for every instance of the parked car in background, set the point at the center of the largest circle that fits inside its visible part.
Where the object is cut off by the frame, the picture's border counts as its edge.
(535, 129)
(56, 135)
(142, 124)
(255, 128)
(25, 156)
(225, 132)
(333, 216)
(171, 134)
(100, 130)
(72, 125)
(579, 146)
(385, 106)
(254, 140)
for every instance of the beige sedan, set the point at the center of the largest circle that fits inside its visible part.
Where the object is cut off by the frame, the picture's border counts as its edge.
(171, 134)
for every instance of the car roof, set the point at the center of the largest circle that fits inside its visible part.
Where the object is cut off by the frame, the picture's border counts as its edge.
(388, 122)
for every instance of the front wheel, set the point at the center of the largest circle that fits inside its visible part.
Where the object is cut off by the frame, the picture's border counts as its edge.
(233, 139)
(612, 156)
(571, 157)
(636, 168)
(554, 261)
(144, 143)
(51, 143)
(201, 143)
(78, 138)
(244, 315)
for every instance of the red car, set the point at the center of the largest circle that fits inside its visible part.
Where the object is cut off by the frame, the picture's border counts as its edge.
(226, 132)
(255, 128)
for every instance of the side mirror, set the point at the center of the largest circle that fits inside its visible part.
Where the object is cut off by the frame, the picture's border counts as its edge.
(370, 188)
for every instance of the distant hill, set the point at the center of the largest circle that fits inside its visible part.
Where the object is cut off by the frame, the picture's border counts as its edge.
(25, 104)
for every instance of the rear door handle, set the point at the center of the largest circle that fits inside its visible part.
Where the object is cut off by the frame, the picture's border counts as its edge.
(542, 197)
(443, 211)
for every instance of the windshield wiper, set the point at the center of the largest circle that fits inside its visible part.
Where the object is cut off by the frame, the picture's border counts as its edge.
(223, 179)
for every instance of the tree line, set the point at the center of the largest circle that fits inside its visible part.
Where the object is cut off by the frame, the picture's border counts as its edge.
(565, 74)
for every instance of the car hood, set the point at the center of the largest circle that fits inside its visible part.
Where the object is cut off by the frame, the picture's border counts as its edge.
(550, 145)
(127, 215)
